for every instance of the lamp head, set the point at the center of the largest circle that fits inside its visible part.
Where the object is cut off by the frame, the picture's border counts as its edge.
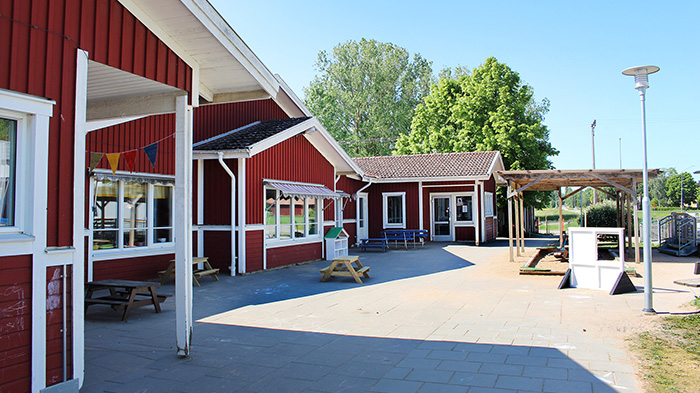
(640, 74)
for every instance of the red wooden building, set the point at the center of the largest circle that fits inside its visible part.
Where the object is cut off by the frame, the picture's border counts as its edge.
(100, 76)
(452, 195)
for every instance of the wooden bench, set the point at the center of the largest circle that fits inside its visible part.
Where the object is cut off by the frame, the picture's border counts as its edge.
(342, 267)
(382, 243)
(196, 273)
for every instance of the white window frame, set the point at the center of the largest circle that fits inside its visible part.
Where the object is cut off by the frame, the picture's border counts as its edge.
(31, 172)
(293, 239)
(151, 245)
(385, 210)
(471, 194)
(489, 210)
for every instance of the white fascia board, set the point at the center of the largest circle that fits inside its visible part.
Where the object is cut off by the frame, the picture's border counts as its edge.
(336, 147)
(429, 179)
(221, 30)
(297, 101)
(20, 102)
(280, 137)
(214, 155)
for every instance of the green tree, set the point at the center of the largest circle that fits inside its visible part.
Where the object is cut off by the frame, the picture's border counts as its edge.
(673, 189)
(365, 94)
(487, 109)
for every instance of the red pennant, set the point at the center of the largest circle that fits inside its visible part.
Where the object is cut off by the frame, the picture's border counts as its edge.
(130, 159)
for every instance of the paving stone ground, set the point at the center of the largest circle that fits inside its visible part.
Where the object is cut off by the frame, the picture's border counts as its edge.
(443, 318)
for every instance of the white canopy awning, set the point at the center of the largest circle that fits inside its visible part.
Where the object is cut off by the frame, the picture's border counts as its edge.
(303, 190)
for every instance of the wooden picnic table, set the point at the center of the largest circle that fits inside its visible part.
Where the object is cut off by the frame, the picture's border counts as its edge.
(124, 294)
(342, 267)
(381, 242)
(196, 273)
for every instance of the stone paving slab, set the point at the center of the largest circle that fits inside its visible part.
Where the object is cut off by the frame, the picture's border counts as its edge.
(443, 318)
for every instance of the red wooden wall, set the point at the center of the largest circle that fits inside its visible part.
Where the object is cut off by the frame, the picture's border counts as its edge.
(282, 256)
(375, 205)
(43, 63)
(15, 323)
(134, 135)
(295, 159)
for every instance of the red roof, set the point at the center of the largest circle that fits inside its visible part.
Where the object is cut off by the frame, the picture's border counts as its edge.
(434, 165)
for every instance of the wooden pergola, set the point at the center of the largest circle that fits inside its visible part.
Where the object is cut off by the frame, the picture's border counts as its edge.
(624, 181)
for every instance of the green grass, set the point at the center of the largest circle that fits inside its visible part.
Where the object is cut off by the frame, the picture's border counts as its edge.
(670, 355)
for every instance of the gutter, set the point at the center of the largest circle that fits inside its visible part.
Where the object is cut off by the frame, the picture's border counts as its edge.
(233, 212)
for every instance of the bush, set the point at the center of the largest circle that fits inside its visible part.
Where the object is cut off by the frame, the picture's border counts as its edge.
(603, 214)
(654, 202)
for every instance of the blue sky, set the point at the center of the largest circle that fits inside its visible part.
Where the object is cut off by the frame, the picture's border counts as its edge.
(572, 53)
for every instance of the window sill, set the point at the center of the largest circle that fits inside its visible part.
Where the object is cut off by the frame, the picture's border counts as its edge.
(15, 237)
(296, 242)
(136, 252)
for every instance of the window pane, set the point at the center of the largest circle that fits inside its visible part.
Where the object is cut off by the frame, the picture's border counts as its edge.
(163, 235)
(394, 209)
(106, 208)
(162, 206)
(270, 211)
(299, 217)
(285, 218)
(313, 216)
(134, 205)
(135, 238)
(104, 240)
(8, 165)
(464, 208)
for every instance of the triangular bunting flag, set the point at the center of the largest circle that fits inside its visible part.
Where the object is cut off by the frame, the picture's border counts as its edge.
(151, 152)
(113, 159)
(130, 159)
(95, 159)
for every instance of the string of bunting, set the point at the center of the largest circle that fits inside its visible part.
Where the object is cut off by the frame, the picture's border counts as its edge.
(129, 156)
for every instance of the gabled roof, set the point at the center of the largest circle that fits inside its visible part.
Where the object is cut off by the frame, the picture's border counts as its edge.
(250, 140)
(245, 137)
(476, 165)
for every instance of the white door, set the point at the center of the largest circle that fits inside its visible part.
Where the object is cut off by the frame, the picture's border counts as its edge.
(441, 218)
(362, 231)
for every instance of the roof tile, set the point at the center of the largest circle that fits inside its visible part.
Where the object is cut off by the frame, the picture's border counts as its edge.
(428, 165)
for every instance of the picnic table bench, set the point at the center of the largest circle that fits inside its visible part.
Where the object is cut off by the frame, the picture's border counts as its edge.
(196, 273)
(124, 294)
(381, 242)
(406, 235)
(342, 267)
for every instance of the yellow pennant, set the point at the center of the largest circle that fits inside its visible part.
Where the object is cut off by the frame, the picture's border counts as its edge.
(113, 159)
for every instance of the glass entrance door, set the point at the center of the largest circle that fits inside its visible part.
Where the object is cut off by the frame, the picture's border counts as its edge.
(442, 214)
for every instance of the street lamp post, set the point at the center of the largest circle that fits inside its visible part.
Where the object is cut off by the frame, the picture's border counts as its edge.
(641, 81)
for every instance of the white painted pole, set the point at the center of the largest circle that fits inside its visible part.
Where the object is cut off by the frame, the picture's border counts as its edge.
(183, 225)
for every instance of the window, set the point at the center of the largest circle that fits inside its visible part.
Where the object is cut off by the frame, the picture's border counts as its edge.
(394, 209)
(290, 218)
(464, 208)
(8, 171)
(24, 146)
(131, 213)
(488, 204)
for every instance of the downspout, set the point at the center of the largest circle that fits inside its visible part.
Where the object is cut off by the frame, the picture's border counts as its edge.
(233, 212)
(357, 214)
(477, 220)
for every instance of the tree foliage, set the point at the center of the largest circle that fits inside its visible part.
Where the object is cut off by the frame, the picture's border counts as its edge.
(489, 108)
(673, 189)
(602, 214)
(365, 94)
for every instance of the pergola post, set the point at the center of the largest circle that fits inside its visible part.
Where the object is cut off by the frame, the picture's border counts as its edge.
(517, 226)
(510, 224)
(561, 219)
(522, 223)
